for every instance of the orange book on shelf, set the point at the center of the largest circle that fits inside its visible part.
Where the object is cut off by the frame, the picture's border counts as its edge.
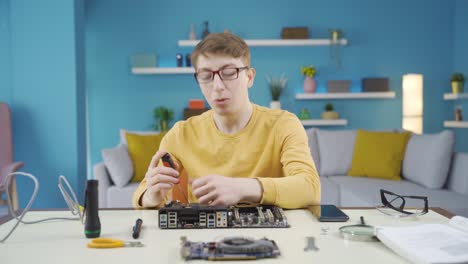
(196, 104)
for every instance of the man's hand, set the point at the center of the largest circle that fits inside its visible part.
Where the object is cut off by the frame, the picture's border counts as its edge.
(159, 180)
(221, 190)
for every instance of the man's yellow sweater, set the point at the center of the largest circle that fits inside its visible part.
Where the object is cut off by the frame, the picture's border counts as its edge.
(273, 148)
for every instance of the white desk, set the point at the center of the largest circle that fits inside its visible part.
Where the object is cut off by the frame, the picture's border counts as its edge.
(64, 241)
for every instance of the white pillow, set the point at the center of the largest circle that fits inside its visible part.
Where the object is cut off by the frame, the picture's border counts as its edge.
(427, 158)
(336, 151)
(119, 164)
(313, 145)
(123, 138)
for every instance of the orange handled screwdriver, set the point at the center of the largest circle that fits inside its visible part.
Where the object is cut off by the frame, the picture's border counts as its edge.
(168, 162)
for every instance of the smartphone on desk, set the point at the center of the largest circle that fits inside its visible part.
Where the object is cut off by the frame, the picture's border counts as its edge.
(328, 213)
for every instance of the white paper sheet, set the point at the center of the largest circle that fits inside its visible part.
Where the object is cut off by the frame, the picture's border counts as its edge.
(429, 243)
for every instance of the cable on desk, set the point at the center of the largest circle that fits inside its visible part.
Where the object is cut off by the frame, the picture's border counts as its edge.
(72, 202)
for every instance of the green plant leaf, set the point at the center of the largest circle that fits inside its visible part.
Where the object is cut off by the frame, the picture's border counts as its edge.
(308, 70)
(276, 85)
(162, 114)
(458, 77)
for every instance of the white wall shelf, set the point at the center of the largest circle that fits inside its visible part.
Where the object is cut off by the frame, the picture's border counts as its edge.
(456, 124)
(454, 96)
(160, 70)
(274, 42)
(324, 122)
(367, 95)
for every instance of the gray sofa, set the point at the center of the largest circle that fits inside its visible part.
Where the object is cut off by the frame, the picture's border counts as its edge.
(111, 195)
(430, 168)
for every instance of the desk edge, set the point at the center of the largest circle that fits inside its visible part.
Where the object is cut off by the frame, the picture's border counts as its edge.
(438, 210)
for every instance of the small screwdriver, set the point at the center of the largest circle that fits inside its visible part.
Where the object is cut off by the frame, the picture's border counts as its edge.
(168, 162)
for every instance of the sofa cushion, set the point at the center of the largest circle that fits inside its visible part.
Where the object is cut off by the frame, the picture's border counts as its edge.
(458, 179)
(123, 133)
(378, 154)
(330, 192)
(314, 148)
(336, 151)
(141, 149)
(119, 164)
(361, 191)
(446, 199)
(121, 197)
(427, 158)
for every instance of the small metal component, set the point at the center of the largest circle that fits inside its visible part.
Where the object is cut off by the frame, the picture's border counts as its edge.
(310, 246)
(261, 216)
(270, 216)
(324, 230)
(133, 244)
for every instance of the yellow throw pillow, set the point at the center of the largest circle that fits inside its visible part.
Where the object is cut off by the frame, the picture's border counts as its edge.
(379, 154)
(141, 149)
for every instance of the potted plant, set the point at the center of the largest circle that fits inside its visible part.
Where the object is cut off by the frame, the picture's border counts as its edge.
(458, 80)
(304, 114)
(310, 84)
(162, 116)
(276, 89)
(329, 113)
(335, 35)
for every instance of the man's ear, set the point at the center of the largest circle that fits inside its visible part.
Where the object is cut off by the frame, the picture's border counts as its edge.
(251, 76)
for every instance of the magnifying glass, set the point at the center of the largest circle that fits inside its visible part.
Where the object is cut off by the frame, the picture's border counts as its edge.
(361, 232)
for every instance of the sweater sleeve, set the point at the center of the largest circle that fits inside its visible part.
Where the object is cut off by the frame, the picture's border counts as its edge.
(301, 185)
(138, 194)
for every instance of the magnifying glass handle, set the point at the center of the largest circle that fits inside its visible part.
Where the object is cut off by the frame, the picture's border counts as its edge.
(362, 220)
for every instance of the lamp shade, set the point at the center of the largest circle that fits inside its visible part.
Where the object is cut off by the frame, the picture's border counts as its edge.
(413, 102)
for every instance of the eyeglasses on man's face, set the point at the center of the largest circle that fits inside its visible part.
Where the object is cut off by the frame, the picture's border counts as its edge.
(225, 74)
(402, 206)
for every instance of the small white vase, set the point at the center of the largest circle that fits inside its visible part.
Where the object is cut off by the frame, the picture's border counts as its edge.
(275, 105)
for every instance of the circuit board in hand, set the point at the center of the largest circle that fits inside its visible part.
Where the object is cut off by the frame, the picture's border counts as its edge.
(231, 248)
(178, 216)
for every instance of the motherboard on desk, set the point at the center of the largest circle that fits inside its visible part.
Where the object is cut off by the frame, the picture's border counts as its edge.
(178, 216)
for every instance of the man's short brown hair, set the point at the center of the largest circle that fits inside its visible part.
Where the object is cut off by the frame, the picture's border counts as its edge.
(222, 44)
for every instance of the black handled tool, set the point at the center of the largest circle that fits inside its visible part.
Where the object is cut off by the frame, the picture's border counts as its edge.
(92, 223)
(137, 228)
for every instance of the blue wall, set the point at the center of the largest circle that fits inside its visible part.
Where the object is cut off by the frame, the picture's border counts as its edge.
(387, 38)
(62, 62)
(47, 96)
(5, 52)
(81, 105)
(460, 64)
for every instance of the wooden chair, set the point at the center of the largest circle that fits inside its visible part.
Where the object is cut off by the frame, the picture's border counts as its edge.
(7, 165)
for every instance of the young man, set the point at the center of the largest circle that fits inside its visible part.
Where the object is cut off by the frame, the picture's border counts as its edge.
(237, 151)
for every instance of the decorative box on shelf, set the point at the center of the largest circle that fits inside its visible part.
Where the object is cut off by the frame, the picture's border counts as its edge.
(338, 86)
(375, 85)
(295, 33)
(196, 104)
(193, 112)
